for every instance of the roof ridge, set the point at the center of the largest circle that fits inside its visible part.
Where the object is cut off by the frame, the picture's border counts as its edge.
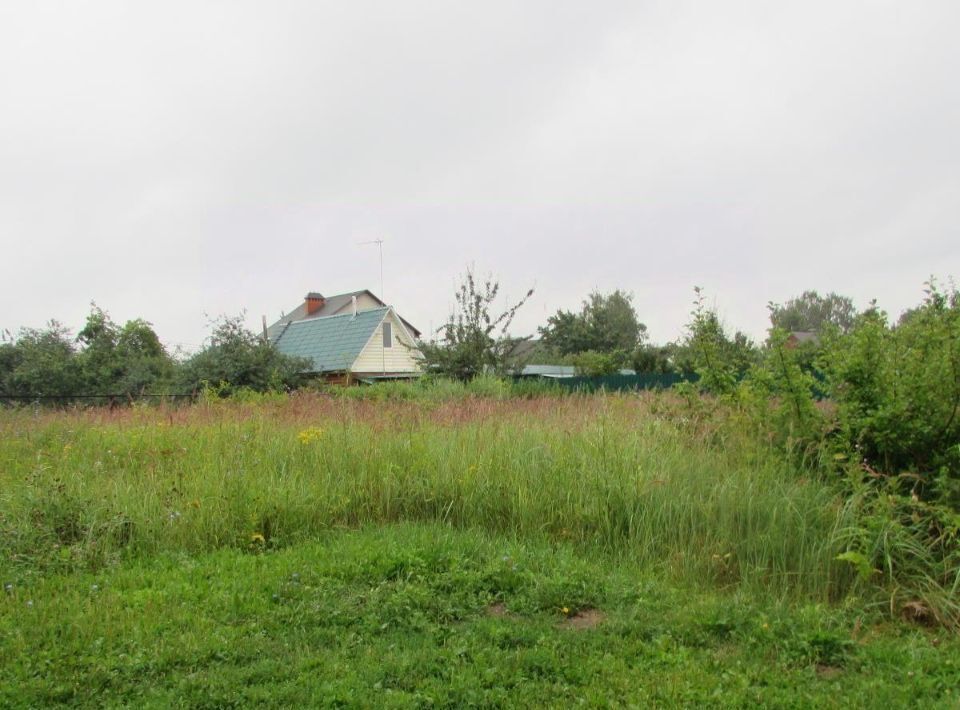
(314, 319)
(354, 293)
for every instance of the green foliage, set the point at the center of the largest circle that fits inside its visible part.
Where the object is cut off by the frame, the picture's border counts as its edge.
(40, 363)
(720, 361)
(428, 616)
(811, 312)
(236, 359)
(783, 396)
(591, 363)
(887, 433)
(123, 360)
(860, 562)
(605, 324)
(111, 360)
(474, 341)
(897, 391)
(654, 359)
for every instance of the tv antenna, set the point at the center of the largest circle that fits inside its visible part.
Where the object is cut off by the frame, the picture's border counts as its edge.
(379, 243)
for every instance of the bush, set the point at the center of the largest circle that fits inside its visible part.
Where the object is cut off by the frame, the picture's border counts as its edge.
(897, 391)
(237, 359)
(596, 364)
(887, 432)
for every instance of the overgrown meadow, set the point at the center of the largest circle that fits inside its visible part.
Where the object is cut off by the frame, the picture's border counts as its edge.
(409, 547)
(611, 474)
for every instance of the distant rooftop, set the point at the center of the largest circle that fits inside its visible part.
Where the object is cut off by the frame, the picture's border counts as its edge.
(805, 336)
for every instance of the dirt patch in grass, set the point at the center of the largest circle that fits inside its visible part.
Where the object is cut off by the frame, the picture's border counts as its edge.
(498, 610)
(828, 672)
(584, 619)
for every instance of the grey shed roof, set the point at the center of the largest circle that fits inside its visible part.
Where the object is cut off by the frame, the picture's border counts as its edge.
(332, 343)
(559, 371)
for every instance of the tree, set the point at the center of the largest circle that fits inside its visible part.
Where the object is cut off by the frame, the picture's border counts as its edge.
(473, 341)
(718, 359)
(121, 360)
(590, 363)
(146, 362)
(658, 359)
(605, 324)
(236, 358)
(99, 363)
(811, 312)
(40, 363)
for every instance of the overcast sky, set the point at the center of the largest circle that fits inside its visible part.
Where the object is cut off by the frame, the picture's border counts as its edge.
(174, 159)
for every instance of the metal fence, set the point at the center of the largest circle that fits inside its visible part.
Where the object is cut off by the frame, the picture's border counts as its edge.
(621, 383)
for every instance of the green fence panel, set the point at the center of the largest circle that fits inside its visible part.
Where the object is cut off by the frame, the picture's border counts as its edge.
(624, 383)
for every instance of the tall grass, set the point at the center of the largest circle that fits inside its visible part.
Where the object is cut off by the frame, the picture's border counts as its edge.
(606, 473)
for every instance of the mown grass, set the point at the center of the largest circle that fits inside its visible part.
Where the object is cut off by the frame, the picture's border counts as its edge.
(608, 474)
(424, 615)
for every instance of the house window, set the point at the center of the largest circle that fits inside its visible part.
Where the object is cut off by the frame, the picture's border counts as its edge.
(387, 335)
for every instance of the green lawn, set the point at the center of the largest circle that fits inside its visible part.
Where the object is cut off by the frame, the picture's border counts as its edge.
(418, 615)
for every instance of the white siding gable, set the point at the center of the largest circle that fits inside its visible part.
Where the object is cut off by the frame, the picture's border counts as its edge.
(400, 357)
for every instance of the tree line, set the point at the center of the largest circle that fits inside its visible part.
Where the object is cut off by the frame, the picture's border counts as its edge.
(106, 359)
(606, 335)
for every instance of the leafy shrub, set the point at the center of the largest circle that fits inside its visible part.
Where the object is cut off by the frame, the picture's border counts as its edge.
(895, 432)
(591, 363)
(41, 363)
(237, 359)
(897, 391)
(718, 360)
(887, 432)
(474, 342)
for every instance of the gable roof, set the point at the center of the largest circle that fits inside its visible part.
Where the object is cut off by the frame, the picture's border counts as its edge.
(332, 343)
(331, 305)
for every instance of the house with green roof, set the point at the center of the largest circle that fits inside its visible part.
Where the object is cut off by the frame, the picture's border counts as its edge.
(353, 343)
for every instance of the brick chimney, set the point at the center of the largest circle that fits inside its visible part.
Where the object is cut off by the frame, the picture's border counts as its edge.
(314, 302)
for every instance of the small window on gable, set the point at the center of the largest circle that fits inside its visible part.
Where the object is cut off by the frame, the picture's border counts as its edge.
(388, 335)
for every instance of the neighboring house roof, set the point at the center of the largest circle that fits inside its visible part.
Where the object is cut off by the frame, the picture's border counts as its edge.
(332, 343)
(525, 348)
(804, 336)
(331, 305)
(548, 371)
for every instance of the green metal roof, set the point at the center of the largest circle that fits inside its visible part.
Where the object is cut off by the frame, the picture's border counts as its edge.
(332, 343)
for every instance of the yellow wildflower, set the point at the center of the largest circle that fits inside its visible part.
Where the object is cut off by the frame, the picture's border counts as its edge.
(309, 435)
(565, 611)
(257, 538)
